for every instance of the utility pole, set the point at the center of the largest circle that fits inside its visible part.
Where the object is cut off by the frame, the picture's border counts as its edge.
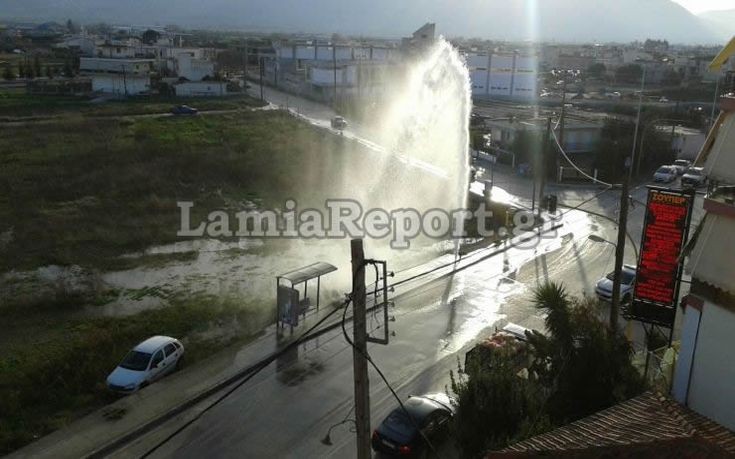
(623, 217)
(260, 67)
(334, 65)
(544, 157)
(561, 125)
(245, 70)
(359, 351)
(619, 253)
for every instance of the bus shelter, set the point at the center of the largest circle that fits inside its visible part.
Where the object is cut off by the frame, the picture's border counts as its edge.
(292, 292)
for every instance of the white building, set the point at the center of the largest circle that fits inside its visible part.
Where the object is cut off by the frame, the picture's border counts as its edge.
(201, 88)
(510, 75)
(116, 49)
(123, 77)
(704, 379)
(193, 68)
(316, 52)
(685, 142)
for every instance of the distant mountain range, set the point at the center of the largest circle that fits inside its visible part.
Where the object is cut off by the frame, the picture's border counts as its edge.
(560, 20)
(723, 22)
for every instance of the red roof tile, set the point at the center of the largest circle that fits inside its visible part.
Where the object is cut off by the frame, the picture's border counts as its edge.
(632, 429)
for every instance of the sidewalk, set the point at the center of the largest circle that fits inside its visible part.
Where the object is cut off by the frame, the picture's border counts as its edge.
(131, 416)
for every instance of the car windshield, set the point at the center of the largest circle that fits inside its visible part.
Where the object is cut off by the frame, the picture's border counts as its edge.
(136, 361)
(664, 170)
(694, 172)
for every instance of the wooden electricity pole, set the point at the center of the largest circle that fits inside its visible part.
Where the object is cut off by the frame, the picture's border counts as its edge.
(334, 65)
(359, 351)
(619, 253)
(623, 217)
(545, 153)
(262, 70)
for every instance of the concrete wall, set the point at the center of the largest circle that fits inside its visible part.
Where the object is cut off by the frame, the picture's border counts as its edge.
(712, 386)
(129, 66)
(120, 85)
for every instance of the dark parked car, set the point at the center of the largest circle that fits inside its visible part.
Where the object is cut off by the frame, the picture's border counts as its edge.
(339, 122)
(399, 434)
(184, 110)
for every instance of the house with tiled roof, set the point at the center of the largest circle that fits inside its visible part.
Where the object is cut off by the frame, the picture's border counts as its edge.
(648, 426)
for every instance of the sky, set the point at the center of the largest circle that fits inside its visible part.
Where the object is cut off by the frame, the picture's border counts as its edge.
(699, 6)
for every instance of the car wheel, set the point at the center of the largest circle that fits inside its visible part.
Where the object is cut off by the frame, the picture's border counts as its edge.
(626, 298)
(179, 363)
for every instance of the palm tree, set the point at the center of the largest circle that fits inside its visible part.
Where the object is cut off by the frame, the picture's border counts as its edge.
(552, 299)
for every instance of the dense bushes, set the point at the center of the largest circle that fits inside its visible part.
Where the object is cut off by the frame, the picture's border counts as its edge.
(579, 368)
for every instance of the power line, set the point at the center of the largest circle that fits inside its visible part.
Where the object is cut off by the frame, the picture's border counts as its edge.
(255, 370)
(563, 153)
(367, 357)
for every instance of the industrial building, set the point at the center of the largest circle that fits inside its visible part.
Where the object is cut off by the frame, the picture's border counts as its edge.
(503, 75)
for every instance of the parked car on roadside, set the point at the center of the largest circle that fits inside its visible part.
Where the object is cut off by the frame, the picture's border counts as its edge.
(665, 174)
(684, 164)
(604, 286)
(694, 177)
(680, 165)
(184, 110)
(401, 432)
(148, 361)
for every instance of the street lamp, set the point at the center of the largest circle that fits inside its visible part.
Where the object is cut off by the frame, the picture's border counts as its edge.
(596, 238)
(327, 440)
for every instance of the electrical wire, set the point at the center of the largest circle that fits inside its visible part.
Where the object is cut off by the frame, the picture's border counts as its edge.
(257, 368)
(367, 357)
(564, 154)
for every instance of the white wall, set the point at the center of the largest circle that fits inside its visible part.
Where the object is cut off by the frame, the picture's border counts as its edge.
(194, 69)
(346, 76)
(324, 53)
(305, 52)
(712, 387)
(689, 330)
(476, 61)
(120, 85)
(688, 146)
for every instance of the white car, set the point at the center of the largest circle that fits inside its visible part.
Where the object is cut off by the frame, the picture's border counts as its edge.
(665, 174)
(148, 361)
(604, 286)
(684, 164)
(693, 177)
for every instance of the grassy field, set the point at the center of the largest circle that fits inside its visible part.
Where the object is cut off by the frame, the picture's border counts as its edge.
(50, 383)
(85, 191)
(16, 103)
